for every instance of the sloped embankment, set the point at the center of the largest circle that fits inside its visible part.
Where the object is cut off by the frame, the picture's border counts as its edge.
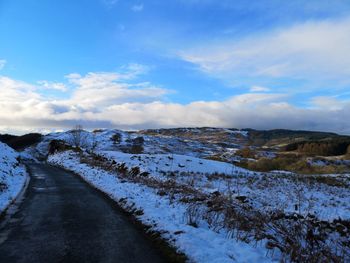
(13, 176)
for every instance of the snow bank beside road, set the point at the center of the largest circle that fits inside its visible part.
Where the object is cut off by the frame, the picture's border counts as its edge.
(13, 176)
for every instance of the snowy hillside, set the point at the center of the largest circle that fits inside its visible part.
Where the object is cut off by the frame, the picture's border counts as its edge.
(117, 140)
(12, 176)
(157, 164)
(259, 187)
(210, 210)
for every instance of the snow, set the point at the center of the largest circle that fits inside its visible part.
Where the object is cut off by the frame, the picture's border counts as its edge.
(165, 154)
(102, 139)
(13, 176)
(157, 163)
(182, 160)
(241, 132)
(274, 190)
(199, 244)
(28, 155)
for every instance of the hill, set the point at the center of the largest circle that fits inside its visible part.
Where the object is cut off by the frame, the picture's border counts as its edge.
(20, 142)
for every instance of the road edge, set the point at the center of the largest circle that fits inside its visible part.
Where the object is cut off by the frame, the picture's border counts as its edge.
(168, 251)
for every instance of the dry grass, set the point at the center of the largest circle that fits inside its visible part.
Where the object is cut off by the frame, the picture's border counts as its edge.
(293, 163)
(298, 238)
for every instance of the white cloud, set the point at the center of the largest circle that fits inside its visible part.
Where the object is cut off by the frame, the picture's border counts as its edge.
(16, 91)
(99, 89)
(313, 50)
(259, 89)
(2, 63)
(137, 8)
(133, 70)
(104, 89)
(325, 102)
(53, 85)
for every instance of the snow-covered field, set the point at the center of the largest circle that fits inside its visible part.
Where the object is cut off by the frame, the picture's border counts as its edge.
(265, 190)
(211, 210)
(200, 243)
(13, 176)
(158, 164)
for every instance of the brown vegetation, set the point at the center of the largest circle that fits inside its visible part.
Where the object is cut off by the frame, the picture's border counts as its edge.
(293, 163)
(321, 148)
(60, 146)
(299, 238)
(116, 138)
(246, 152)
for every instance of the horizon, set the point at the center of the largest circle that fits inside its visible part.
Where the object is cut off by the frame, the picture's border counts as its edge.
(200, 127)
(135, 65)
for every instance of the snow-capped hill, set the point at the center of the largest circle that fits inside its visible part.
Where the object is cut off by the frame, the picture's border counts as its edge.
(102, 139)
(218, 143)
(200, 142)
(12, 176)
(153, 154)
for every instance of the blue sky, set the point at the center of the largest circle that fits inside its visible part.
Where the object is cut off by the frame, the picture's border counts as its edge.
(142, 64)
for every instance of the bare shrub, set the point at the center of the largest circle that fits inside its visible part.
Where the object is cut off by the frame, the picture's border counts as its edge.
(193, 215)
(135, 171)
(60, 146)
(137, 145)
(93, 143)
(77, 136)
(116, 138)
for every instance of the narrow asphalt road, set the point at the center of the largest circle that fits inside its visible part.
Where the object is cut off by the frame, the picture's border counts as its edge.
(62, 219)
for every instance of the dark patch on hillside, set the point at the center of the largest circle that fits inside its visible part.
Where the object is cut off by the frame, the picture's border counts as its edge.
(280, 137)
(330, 147)
(20, 142)
(7, 137)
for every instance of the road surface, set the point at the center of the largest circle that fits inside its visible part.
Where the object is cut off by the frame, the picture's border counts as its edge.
(62, 219)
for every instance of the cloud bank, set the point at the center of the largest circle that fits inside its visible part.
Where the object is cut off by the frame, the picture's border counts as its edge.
(117, 100)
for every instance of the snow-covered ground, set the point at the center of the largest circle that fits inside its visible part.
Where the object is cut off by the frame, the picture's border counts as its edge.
(265, 190)
(200, 243)
(320, 198)
(13, 176)
(117, 140)
(157, 164)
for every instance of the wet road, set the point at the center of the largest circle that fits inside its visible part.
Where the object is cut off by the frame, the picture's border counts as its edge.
(62, 219)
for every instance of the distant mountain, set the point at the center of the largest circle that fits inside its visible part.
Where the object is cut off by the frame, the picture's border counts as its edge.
(280, 137)
(208, 141)
(276, 137)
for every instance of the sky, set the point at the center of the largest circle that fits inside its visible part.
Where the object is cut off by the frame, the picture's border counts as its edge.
(126, 64)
